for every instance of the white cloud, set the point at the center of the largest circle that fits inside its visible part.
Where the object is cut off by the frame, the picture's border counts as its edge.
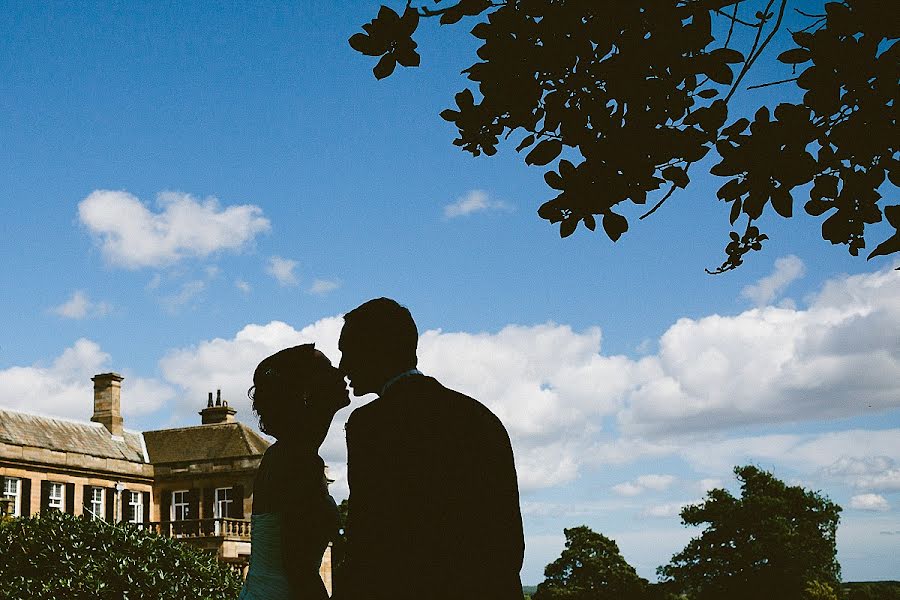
(665, 511)
(569, 407)
(243, 286)
(79, 306)
(787, 270)
(132, 236)
(282, 269)
(876, 473)
(644, 483)
(64, 388)
(188, 292)
(870, 502)
(321, 287)
(838, 358)
(474, 201)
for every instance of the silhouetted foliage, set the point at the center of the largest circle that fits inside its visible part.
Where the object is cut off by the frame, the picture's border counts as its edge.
(590, 568)
(637, 91)
(57, 555)
(872, 590)
(775, 541)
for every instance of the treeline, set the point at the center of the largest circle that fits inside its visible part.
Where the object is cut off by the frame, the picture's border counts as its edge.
(773, 541)
(872, 590)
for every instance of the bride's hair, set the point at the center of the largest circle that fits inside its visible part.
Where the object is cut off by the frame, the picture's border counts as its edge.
(281, 385)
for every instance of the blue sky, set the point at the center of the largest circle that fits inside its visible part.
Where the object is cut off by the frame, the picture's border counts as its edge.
(184, 191)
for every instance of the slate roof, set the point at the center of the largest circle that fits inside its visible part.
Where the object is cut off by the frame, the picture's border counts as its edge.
(92, 439)
(203, 442)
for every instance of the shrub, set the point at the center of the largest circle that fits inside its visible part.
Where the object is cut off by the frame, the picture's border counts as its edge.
(56, 555)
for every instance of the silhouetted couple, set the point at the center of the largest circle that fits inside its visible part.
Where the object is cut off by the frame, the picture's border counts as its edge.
(434, 503)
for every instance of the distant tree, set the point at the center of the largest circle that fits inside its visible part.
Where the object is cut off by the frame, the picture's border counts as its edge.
(55, 555)
(816, 590)
(772, 542)
(590, 568)
(873, 590)
(629, 94)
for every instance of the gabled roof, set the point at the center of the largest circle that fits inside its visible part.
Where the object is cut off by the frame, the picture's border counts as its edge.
(203, 442)
(92, 439)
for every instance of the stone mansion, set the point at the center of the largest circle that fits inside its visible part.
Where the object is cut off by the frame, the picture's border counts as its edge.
(194, 483)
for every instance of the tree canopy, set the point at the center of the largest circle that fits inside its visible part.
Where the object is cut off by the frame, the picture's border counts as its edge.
(590, 568)
(622, 97)
(775, 541)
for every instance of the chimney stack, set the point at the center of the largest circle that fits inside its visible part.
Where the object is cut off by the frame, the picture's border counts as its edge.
(217, 413)
(108, 402)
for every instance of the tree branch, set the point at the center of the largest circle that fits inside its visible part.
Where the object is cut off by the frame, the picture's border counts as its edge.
(752, 57)
(734, 18)
(658, 204)
(762, 85)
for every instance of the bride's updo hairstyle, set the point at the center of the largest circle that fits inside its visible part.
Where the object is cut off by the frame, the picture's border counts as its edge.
(281, 386)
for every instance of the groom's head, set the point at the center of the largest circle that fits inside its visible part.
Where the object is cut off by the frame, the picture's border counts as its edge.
(378, 341)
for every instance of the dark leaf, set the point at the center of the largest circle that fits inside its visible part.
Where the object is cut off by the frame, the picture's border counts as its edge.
(465, 99)
(590, 222)
(676, 175)
(449, 115)
(817, 207)
(481, 31)
(366, 45)
(408, 57)
(795, 56)
(567, 227)
(550, 211)
(727, 55)
(614, 225)
(544, 152)
(719, 72)
(736, 128)
(409, 21)
(385, 66)
(782, 202)
(732, 190)
(803, 38)
(526, 141)
(735, 210)
(554, 180)
(708, 93)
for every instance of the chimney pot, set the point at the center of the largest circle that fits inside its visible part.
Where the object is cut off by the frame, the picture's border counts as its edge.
(218, 397)
(209, 402)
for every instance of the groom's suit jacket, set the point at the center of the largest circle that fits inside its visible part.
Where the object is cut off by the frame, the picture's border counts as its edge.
(434, 502)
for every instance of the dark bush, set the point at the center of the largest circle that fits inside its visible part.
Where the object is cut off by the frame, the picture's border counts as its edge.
(55, 555)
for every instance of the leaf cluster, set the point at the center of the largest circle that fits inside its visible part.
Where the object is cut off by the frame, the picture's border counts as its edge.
(774, 541)
(627, 95)
(56, 555)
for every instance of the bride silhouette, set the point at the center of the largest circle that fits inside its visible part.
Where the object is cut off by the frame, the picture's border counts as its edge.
(295, 394)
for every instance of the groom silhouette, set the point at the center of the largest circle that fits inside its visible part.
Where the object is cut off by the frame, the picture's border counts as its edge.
(434, 503)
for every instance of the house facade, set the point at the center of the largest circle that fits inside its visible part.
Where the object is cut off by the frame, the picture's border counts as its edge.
(193, 483)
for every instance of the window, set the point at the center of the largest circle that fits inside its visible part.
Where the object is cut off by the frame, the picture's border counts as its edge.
(11, 489)
(56, 496)
(222, 505)
(97, 504)
(135, 507)
(180, 506)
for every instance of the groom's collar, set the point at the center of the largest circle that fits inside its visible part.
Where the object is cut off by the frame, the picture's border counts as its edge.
(398, 377)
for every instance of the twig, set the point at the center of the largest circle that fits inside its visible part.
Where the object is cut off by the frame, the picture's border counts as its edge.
(658, 204)
(752, 57)
(734, 19)
(762, 85)
(809, 15)
(731, 27)
(434, 12)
